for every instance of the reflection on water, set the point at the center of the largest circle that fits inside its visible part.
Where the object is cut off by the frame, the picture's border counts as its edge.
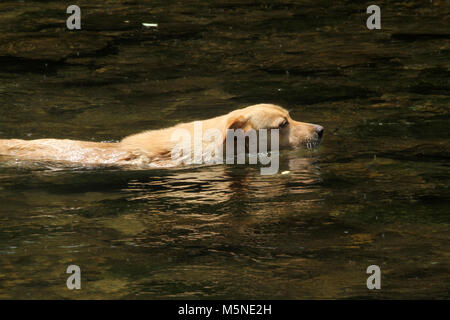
(375, 192)
(217, 184)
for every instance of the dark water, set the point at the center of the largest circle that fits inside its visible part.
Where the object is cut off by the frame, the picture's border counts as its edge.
(376, 192)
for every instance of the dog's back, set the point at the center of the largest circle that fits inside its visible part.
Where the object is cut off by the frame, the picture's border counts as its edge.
(63, 150)
(157, 145)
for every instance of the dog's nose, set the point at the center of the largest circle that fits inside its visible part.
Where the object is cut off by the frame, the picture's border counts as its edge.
(319, 130)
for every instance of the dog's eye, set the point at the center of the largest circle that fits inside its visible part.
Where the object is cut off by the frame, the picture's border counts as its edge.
(284, 124)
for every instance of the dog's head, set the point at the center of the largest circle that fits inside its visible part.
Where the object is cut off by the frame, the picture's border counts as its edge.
(292, 134)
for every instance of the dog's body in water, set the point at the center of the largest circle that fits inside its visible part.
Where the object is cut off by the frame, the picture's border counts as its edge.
(156, 146)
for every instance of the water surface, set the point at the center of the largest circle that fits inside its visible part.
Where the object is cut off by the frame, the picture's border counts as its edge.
(375, 192)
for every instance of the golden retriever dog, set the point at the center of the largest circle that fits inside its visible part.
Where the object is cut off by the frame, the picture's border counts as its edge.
(156, 146)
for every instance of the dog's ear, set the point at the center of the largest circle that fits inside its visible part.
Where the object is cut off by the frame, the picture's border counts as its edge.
(234, 122)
